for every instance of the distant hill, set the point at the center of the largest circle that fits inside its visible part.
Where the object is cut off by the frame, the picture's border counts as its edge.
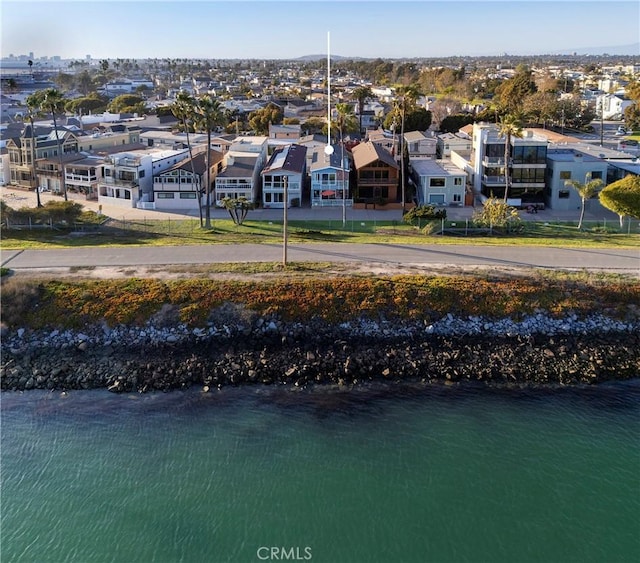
(333, 57)
(632, 49)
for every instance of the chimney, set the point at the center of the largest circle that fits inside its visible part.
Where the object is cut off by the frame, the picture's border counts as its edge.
(230, 160)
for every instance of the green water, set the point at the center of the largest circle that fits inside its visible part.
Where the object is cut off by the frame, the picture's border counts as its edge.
(439, 474)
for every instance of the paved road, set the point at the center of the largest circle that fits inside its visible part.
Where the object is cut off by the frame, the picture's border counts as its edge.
(622, 260)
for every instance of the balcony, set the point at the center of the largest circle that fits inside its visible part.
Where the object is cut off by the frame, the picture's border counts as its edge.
(493, 161)
(495, 180)
(82, 178)
(111, 181)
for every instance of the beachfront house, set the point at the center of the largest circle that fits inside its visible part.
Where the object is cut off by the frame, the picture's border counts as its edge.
(285, 171)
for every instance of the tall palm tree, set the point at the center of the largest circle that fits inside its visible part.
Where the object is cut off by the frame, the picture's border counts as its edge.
(406, 96)
(361, 94)
(208, 114)
(346, 122)
(53, 102)
(585, 191)
(34, 101)
(184, 109)
(509, 127)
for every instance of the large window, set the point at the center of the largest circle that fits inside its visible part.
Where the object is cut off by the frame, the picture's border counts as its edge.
(565, 174)
(527, 175)
(165, 195)
(529, 155)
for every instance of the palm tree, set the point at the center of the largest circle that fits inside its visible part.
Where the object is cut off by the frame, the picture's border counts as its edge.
(208, 114)
(34, 101)
(346, 122)
(53, 102)
(362, 94)
(508, 127)
(585, 191)
(407, 95)
(184, 109)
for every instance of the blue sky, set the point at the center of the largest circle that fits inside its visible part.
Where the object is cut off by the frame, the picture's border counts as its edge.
(289, 29)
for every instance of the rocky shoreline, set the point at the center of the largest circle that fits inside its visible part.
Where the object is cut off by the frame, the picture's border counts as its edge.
(537, 350)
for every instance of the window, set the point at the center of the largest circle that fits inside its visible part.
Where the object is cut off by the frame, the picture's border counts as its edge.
(457, 198)
(563, 194)
(565, 175)
(596, 175)
(165, 195)
(188, 195)
(436, 182)
(141, 175)
(457, 181)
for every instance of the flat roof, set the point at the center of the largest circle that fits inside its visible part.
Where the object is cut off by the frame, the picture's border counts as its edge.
(428, 167)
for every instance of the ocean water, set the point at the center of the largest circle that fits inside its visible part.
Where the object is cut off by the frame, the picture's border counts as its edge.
(434, 474)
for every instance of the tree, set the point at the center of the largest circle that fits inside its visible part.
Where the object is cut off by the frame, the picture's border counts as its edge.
(208, 115)
(453, 123)
(407, 96)
(34, 103)
(184, 109)
(623, 197)
(417, 119)
(512, 92)
(314, 125)
(52, 101)
(259, 120)
(93, 103)
(585, 191)
(237, 208)
(127, 103)
(84, 82)
(496, 213)
(543, 107)
(346, 122)
(508, 128)
(361, 94)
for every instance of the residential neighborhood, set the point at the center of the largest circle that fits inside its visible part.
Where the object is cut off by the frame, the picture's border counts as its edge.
(386, 147)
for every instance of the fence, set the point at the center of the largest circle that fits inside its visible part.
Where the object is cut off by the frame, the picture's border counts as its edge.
(467, 227)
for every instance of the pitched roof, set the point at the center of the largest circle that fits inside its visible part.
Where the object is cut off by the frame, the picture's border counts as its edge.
(199, 162)
(291, 158)
(366, 153)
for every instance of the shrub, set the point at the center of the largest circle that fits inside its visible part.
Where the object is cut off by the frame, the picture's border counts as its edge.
(423, 213)
(496, 213)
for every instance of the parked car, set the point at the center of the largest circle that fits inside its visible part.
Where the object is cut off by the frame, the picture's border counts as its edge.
(623, 131)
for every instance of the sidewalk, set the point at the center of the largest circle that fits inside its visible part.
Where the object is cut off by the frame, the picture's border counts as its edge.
(17, 198)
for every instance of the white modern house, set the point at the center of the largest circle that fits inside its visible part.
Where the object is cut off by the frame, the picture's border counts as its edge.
(286, 170)
(527, 165)
(127, 177)
(612, 106)
(438, 182)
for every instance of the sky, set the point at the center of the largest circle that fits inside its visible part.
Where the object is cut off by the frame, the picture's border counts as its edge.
(265, 29)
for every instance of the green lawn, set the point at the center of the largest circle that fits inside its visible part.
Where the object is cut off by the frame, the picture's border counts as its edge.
(188, 232)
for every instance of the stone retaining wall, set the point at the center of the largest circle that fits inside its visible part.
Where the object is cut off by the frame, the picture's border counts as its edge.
(538, 350)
